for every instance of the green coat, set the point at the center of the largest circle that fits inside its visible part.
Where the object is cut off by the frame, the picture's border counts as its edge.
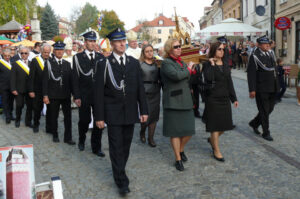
(176, 91)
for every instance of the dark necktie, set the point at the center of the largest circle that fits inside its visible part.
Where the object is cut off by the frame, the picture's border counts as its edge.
(122, 63)
(92, 59)
(59, 62)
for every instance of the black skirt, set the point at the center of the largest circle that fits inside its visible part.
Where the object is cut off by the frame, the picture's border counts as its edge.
(218, 114)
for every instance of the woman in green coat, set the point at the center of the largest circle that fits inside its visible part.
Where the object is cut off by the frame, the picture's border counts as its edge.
(178, 115)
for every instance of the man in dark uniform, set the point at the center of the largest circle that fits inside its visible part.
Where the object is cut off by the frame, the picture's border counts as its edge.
(19, 87)
(83, 70)
(57, 88)
(36, 84)
(263, 85)
(119, 98)
(7, 96)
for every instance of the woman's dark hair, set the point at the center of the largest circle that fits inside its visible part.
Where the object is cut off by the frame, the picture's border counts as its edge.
(142, 57)
(278, 61)
(213, 49)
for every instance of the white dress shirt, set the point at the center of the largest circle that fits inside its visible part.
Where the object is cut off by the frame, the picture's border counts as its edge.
(118, 58)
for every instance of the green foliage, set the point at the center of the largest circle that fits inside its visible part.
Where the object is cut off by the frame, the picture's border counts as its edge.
(87, 18)
(49, 24)
(110, 22)
(21, 9)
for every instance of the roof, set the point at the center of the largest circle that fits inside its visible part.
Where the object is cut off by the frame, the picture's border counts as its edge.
(12, 25)
(155, 23)
(60, 26)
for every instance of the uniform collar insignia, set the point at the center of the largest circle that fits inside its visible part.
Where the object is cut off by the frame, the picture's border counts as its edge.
(113, 60)
(127, 60)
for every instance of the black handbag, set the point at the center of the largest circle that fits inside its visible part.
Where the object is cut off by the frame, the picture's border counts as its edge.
(203, 84)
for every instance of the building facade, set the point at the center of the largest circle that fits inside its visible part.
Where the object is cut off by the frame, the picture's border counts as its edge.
(231, 9)
(288, 41)
(250, 16)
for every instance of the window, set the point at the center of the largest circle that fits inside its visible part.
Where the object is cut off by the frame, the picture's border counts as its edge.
(283, 1)
(229, 15)
(284, 44)
(171, 31)
(161, 22)
(266, 3)
(234, 16)
(159, 31)
(159, 40)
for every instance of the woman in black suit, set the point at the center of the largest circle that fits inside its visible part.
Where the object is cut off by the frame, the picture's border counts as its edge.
(217, 103)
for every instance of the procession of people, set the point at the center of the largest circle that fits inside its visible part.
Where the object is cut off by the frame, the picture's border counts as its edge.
(115, 89)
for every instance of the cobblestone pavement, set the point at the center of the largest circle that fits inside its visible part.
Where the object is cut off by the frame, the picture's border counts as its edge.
(254, 168)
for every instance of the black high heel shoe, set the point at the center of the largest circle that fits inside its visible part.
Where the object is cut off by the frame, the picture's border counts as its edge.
(179, 165)
(219, 159)
(183, 156)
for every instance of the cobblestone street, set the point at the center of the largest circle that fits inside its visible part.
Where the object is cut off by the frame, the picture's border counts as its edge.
(254, 168)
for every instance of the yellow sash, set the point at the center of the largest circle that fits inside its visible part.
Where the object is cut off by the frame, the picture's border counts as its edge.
(5, 63)
(41, 63)
(23, 66)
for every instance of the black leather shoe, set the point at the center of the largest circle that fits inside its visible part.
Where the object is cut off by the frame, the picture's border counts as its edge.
(267, 137)
(17, 124)
(35, 129)
(183, 156)
(255, 129)
(233, 126)
(70, 142)
(179, 165)
(55, 139)
(99, 153)
(7, 121)
(219, 159)
(124, 190)
(197, 114)
(81, 147)
(13, 118)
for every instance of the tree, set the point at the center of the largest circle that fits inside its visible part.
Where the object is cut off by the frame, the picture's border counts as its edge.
(21, 9)
(49, 24)
(145, 32)
(110, 22)
(87, 18)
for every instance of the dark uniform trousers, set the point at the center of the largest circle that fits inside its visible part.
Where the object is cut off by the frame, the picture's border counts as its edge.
(53, 111)
(265, 104)
(120, 137)
(37, 108)
(83, 126)
(22, 98)
(7, 100)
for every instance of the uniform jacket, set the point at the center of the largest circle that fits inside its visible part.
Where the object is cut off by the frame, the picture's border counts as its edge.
(84, 84)
(35, 77)
(56, 89)
(4, 77)
(261, 80)
(19, 79)
(114, 106)
(15, 58)
(176, 91)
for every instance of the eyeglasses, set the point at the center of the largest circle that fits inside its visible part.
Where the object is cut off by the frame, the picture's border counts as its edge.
(219, 49)
(24, 53)
(176, 47)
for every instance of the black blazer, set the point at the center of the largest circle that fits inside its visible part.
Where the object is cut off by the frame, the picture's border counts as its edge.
(19, 79)
(35, 77)
(4, 77)
(223, 82)
(260, 80)
(114, 106)
(84, 84)
(54, 89)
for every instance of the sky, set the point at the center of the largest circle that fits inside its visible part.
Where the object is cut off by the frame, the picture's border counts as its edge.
(129, 11)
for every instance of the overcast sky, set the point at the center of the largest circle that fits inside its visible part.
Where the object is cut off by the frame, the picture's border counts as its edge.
(129, 11)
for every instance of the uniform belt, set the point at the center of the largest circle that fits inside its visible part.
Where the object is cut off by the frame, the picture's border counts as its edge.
(150, 82)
